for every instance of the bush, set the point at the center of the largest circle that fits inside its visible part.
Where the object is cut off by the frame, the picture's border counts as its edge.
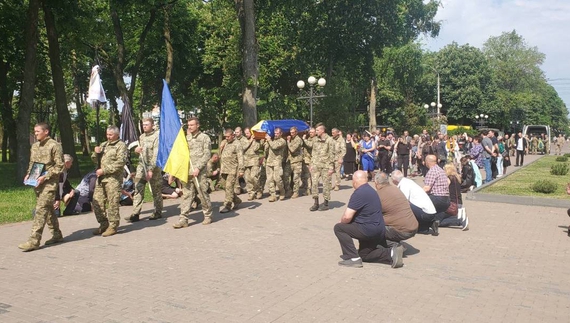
(559, 169)
(566, 155)
(561, 159)
(544, 186)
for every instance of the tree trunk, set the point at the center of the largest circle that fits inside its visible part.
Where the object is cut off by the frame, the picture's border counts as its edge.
(246, 16)
(6, 95)
(63, 117)
(169, 49)
(372, 106)
(83, 135)
(28, 89)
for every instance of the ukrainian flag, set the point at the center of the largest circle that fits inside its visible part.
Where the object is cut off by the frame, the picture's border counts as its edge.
(173, 154)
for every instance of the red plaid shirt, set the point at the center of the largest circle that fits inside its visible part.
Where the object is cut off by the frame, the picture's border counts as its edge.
(437, 180)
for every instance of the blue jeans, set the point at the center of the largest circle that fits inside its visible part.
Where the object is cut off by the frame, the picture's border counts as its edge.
(488, 171)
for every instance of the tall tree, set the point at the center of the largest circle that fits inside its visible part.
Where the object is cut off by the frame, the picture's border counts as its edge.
(63, 117)
(28, 89)
(246, 16)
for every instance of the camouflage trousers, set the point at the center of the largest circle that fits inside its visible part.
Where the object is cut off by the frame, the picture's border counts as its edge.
(191, 190)
(251, 175)
(155, 188)
(262, 178)
(306, 178)
(231, 196)
(336, 175)
(295, 170)
(275, 178)
(44, 213)
(558, 150)
(287, 172)
(321, 174)
(106, 200)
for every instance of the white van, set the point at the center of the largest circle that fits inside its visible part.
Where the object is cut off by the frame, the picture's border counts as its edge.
(538, 130)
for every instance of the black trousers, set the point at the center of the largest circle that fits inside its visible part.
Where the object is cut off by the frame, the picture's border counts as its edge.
(441, 203)
(394, 236)
(384, 162)
(520, 154)
(404, 164)
(424, 220)
(370, 249)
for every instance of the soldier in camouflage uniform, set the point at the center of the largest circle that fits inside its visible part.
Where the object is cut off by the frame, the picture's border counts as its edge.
(307, 150)
(147, 171)
(273, 164)
(242, 140)
(251, 163)
(213, 172)
(48, 152)
(110, 158)
(340, 151)
(197, 182)
(322, 167)
(295, 158)
(231, 170)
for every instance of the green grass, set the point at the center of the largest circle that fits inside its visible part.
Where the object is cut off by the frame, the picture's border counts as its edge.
(18, 200)
(520, 182)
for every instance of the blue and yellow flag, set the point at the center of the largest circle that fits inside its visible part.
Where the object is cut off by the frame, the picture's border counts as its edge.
(173, 154)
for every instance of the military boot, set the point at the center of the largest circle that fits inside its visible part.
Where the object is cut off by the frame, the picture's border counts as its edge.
(250, 197)
(102, 228)
(336, 187)
(281, 197)
(207, 220)
(259, 195)
(28, 246)
(225, 209)
(57, 238)
(155, 216)
(324, 206)
(272, 198)
(111, 230)
(132, 218)
(316, 205)
(182, 223)
(295, 195)
(237, 202)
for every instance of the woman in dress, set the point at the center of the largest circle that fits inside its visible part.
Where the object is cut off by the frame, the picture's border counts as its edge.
(349, 161)
(367, 154)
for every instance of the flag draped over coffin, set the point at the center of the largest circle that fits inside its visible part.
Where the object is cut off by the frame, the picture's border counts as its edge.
(173, 154)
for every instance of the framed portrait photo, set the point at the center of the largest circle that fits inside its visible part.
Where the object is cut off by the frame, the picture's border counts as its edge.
(36, 171)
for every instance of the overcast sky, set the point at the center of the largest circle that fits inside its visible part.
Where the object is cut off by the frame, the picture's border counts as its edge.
(542, 23)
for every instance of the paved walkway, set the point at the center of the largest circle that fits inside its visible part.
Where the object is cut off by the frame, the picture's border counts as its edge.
(277, 262)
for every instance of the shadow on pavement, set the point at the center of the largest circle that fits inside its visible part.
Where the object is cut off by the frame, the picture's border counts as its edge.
(409, 249)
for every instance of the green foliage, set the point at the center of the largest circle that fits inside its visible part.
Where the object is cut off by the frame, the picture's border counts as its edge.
(462, 130)
(567, 155)
(559, 169)
(562, 158)
(544, 186)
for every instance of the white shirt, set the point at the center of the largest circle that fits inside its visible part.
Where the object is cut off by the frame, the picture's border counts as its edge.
(520, 144)
(416, 195)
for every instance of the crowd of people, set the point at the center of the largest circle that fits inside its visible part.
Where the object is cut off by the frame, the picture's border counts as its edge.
(291, 165)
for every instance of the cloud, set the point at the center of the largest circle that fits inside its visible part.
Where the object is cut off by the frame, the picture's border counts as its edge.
(542, 23)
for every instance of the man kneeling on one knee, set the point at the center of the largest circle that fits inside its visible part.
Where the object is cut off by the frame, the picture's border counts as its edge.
(401, 224)
(362, 220)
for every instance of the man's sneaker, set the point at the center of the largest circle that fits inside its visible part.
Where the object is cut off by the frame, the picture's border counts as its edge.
(28, 246)
(132, 218)
(55, 239)
(351, 263)
(465, 224)
(181, 224)
(397, 253)
(155, 217)
(435, 228)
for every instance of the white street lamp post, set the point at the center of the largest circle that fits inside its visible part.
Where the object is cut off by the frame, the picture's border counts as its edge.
(312, 81)
(481, 119)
